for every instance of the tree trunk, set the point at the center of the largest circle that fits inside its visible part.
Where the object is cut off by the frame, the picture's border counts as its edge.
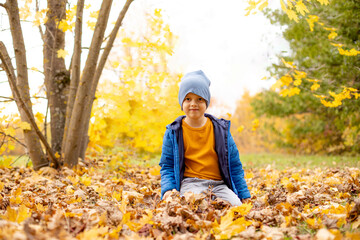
(57, 78)
(103, 59)
(77, 121)
(32, 141)
(75, 68)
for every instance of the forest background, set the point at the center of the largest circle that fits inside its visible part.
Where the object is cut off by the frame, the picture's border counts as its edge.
(138, 84)
(86, 167)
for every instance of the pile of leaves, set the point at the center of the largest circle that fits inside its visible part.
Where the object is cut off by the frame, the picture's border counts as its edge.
(95, 202)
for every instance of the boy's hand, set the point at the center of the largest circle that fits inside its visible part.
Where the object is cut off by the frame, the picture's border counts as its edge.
(168, 193)
(246, 200)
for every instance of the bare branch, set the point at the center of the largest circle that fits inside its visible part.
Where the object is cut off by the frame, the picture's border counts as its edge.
(9, 98)
(17, 159)
(4, 56)
(40, 29)
(109, 44)
(13, 138)
(3, 5)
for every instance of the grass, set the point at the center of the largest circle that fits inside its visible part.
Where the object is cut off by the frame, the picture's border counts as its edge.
(282, 161)
(255, 160)
(14, 161)
(279, 161)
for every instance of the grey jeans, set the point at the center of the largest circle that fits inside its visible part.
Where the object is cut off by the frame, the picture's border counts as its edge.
(220, 189)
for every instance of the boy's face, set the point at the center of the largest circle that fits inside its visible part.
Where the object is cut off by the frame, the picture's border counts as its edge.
(194, 106)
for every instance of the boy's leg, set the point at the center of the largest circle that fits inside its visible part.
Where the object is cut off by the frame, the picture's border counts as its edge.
(194, 185)
(222, 191)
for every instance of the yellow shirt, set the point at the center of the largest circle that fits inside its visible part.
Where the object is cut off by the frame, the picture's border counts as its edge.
(201, 160)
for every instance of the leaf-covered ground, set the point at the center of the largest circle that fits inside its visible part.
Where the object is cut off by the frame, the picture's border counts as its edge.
(94, 202)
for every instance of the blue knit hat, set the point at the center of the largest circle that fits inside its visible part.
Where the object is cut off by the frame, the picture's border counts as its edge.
(197, 83)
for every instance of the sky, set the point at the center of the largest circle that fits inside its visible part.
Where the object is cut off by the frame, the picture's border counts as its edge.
(215, 36)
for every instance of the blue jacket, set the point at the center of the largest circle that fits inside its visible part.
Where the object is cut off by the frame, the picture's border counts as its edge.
(173, 164)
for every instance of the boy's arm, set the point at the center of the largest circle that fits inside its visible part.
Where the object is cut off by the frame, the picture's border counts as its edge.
(167, 165)
(237, 172)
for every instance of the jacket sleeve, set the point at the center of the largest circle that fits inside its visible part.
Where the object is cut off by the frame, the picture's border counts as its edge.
(167, 164)
(237, 172)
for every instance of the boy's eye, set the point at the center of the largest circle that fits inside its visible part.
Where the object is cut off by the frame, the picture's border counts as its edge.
(187, 99)
(200, 99)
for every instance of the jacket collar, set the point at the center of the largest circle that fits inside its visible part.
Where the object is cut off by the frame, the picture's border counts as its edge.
(176, 125)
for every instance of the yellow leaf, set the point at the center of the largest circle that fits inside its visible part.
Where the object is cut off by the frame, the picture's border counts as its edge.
(116, 195)
(286, 80)
(157, 12)
(288, 64)
(18, 192)
(300, 74)
(1, 186)
(323, 2)
(263, 5)
(314, 87)
(255, 124)
(85, 180)
(95, 233)
(94, 14)
(292, 15)
(40, 207)
(39, 117)
(297, 82)
(332, 35)
(20, 215)
(311, 20)
(294, 91)
(115, 64)
(240, 129)
(25, 126)
(74, 180)
(155, 171)
(16, 200)
(283, 6)
(301, 8)
(10, 214)
(61, 53)
(91, 25)
(228, 227)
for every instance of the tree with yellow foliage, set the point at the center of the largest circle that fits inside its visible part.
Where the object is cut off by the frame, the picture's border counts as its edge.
(135, 108)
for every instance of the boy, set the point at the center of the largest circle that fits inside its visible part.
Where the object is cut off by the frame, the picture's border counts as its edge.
(198, 150)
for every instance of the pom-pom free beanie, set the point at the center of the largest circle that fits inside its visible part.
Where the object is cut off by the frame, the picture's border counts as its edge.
(197, 83)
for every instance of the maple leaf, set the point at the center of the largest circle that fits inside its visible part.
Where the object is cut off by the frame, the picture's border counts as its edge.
(228, 227)
(18, 215)
(61, 53)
